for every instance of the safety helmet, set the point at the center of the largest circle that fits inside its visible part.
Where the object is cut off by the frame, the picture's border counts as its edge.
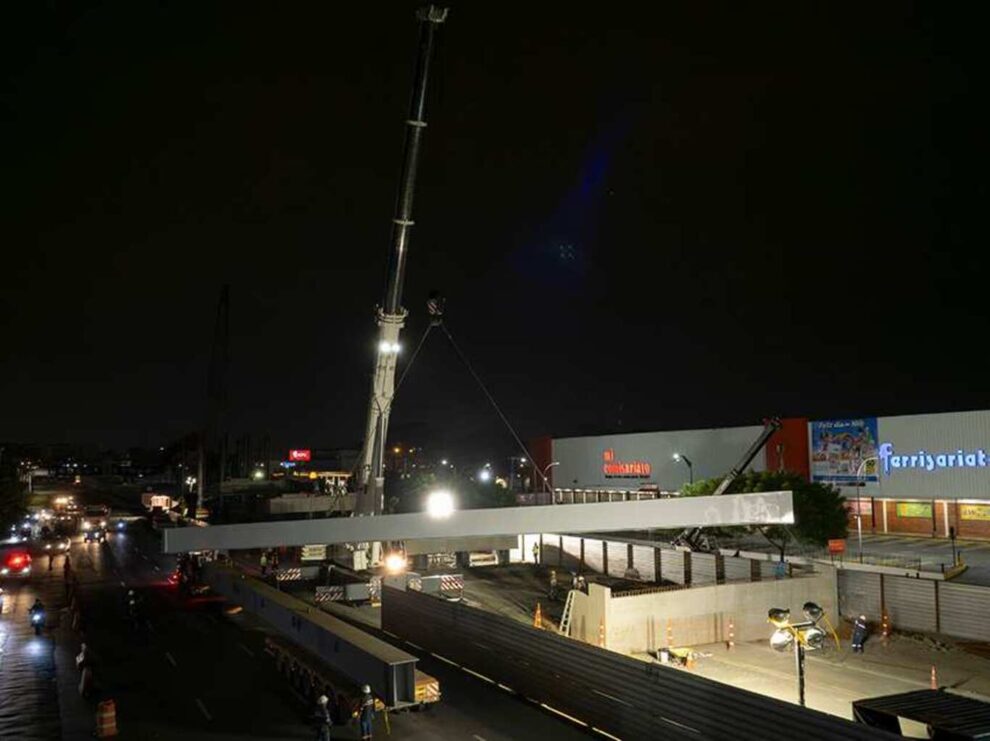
(323, 699)
(366, 689)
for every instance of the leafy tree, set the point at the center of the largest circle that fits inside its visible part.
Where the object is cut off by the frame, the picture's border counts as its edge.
(819, 509)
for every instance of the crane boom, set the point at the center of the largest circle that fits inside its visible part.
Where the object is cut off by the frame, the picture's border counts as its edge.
(390, 315)
(692, 537)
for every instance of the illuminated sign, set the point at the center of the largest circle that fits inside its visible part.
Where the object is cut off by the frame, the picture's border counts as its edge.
(624, 469)
(924, 461)
(300, 455)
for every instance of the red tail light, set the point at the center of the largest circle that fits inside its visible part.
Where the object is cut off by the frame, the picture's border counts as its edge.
(18, 560)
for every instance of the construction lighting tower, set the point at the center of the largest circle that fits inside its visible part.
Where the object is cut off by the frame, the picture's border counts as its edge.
(390, 314)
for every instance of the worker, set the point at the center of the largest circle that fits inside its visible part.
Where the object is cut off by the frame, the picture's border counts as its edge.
(582, 583)
(553, 584)
(264, 563)
(323, 718)
(861, 630)
(367, 711)
(575, 583)
(536, 552)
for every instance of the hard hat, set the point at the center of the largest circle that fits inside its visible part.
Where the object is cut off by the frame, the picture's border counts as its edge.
(366, 689)
(323, 699)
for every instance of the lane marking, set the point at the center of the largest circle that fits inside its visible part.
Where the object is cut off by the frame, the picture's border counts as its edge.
(246, 650)
(418, 648)
(156, 568)
(612, 697)
(479, 738)
(123, 584)
(479, 676)
(171, 660)
(203, 710)
(446, 661)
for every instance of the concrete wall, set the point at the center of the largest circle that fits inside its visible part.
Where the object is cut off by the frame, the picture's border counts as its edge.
(695, 616)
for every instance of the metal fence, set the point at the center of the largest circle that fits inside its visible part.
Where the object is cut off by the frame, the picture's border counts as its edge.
(622, 696)
(925, 605)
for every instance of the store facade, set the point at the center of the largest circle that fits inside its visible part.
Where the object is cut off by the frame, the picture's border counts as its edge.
(925, 474)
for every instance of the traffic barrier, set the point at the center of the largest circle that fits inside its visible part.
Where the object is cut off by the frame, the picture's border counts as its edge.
(333, 593)
(452, 583)
(106, 719)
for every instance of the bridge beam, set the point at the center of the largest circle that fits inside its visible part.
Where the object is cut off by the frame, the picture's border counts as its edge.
(765, 508)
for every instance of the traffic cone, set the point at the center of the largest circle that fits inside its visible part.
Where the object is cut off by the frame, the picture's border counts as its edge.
(106, 719)
(934, 678)
(538, 617)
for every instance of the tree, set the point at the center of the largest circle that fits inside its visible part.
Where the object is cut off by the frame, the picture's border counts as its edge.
(819, 509)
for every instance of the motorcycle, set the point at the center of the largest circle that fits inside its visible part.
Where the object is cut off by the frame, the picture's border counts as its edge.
(38, 621)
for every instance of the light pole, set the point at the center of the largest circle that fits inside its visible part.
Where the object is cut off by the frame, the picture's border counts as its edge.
(546, 481)
(687, 461)
(859, 503)
(804, 634)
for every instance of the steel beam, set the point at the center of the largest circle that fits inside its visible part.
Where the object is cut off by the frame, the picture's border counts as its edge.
(765, 508)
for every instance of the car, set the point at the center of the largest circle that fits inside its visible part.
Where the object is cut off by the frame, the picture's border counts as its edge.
(15, 562)
(53, 543)
(94, 534)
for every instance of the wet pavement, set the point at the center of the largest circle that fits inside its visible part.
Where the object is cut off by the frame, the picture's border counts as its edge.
(28, 694)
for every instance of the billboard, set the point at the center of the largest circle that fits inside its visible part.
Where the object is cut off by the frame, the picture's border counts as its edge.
(300, 456)
(840, 446)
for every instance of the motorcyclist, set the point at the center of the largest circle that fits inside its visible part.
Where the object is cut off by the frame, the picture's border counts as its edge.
(37, 615)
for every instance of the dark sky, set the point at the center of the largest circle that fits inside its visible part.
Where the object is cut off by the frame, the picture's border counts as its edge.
(691, 215)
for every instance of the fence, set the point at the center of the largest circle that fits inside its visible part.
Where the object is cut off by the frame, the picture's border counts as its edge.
(925, 605)
(624, 697)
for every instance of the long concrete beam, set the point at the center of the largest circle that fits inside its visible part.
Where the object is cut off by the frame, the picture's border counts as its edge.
(765, 508)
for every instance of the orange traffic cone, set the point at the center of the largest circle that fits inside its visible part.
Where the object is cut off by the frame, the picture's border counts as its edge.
(538, 616)
(106, 719)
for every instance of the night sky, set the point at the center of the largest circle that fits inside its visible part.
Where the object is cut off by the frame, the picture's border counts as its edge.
(693, 215)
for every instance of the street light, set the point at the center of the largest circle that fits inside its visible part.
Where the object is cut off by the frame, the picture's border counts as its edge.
(687, 461)
(440, 504)
(859, 503)
(485, 474)
(546, 469)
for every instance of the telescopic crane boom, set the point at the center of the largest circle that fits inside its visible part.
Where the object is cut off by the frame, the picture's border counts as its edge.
(692, 538)
(390, 314)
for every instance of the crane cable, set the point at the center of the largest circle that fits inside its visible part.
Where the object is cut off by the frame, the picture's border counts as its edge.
(491, 399)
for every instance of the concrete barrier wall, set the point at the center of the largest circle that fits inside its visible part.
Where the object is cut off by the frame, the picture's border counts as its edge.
(697, 615)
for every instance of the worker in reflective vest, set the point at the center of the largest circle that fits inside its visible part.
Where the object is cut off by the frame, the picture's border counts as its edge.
(861, 630)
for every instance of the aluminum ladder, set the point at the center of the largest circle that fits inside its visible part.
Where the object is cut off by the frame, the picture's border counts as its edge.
(565, 618)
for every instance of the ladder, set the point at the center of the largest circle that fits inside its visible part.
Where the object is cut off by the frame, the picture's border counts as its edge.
(565, 618)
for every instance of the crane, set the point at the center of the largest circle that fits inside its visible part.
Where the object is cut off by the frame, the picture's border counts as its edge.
(390, 315)
(692, 537)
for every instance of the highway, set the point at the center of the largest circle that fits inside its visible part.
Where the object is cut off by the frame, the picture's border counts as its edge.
(187, 670)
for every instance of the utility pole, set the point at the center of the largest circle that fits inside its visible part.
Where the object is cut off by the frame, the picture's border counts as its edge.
(391, 315)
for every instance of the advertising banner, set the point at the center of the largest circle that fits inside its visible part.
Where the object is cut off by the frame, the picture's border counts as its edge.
(840, 446)
(974, 511)
(915, 509)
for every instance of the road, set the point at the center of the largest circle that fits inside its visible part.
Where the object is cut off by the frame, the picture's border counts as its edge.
(187, 670)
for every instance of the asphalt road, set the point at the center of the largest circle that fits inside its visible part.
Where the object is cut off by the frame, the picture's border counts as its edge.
(186, 670)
